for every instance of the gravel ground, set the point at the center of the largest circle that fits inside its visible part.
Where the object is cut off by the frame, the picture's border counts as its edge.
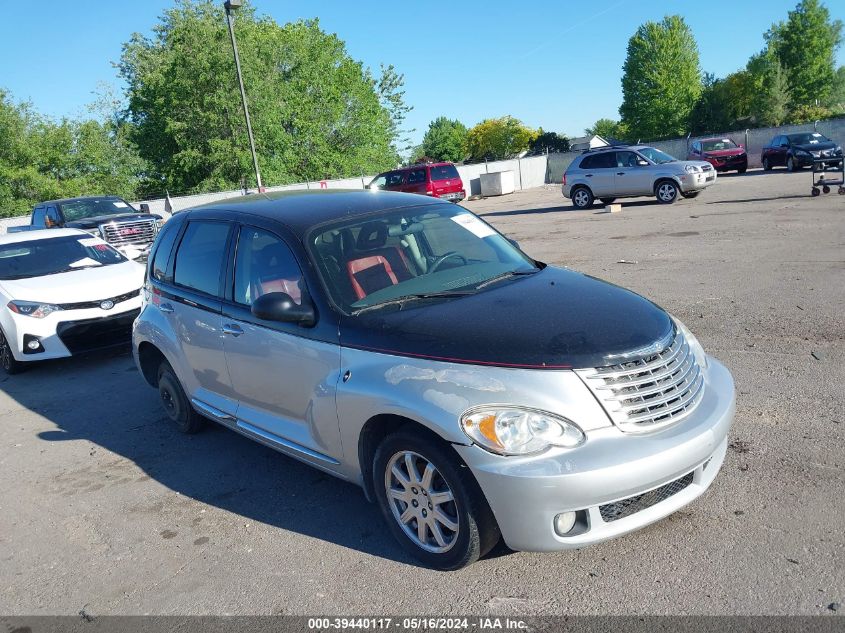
(104, 507)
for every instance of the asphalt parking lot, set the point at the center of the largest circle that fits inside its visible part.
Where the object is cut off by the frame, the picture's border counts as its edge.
(105, 507)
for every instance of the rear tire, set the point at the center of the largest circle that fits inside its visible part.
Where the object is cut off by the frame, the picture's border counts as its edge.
(582, 198)
(666, 191)
(742, 170)
(767, 165)
(176, 404)
(468, 529)
(8, 361)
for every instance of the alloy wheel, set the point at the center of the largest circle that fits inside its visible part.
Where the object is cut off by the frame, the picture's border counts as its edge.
(5, 353)
(421, 502)
(581, 198)
(666, 192)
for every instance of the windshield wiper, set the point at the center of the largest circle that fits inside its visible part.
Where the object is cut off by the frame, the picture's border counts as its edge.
(510, 273)
(413, 297)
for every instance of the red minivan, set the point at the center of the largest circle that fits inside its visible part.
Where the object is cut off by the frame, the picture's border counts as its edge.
(439, 180)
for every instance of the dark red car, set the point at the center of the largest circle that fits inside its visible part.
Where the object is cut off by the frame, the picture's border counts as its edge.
(439, 180)
(722, 153)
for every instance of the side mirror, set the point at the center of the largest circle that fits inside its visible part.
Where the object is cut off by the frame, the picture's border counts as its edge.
(278, 306)
(145, 208)
(741, 146)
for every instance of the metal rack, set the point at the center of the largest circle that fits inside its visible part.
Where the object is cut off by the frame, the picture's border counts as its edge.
(825, 177)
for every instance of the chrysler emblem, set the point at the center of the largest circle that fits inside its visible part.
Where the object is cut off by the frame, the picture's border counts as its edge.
(108, 304)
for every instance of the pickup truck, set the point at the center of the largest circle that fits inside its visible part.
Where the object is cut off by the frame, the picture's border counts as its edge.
(111, 218)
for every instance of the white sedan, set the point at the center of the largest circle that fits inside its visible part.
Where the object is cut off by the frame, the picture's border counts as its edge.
(63, 292)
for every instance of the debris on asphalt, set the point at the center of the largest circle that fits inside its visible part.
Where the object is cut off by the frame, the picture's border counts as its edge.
(739, 513)
(800, 308)
(834, 606)
(792, 560)
(740, 446)
(626, 261)
(817, 355)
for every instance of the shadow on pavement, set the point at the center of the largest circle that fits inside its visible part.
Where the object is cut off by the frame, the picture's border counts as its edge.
(103, 399)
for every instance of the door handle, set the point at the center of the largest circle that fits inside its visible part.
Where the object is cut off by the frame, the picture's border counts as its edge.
(588, 175)
(231, 328)
(620, 173)
(166, 308)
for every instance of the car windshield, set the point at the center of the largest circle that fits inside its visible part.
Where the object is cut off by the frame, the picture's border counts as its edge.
(656, 156)
(808, 138)
(416, 253)
(52, 255)
(93, 208)
(716, 145)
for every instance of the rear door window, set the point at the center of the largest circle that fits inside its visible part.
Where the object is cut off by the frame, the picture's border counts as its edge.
(395, 178)
(202, 256)
(605, 160)
(163, 249)
(416, 176)
(38, 215)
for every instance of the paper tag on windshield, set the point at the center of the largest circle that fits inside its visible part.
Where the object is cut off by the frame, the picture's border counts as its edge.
(120, 205)
(90, 241)
(473, 225)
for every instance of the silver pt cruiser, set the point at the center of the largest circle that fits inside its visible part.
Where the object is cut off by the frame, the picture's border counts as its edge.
(403, 344)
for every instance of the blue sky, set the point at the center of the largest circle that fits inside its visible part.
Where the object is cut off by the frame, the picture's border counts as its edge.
(555, 65)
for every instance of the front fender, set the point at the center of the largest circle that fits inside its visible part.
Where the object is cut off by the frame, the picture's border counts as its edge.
(434, 394)
(152, 327)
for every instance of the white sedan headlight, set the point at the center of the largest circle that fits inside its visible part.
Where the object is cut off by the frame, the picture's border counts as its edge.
(519, 431)
(692, 341)
(32, 309)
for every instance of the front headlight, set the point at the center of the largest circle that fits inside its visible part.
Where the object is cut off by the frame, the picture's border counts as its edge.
(34, 310)
(802, 152)
(692, 341)
(519, 431)
(692, 169)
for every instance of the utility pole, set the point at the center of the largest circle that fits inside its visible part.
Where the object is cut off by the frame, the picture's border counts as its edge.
(230, 19)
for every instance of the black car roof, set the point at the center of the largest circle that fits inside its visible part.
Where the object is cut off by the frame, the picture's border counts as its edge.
(301, 210)
(79, 199)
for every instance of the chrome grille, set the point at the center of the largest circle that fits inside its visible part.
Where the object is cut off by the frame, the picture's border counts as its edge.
(651, 392)
(85, 305)
(136, 232)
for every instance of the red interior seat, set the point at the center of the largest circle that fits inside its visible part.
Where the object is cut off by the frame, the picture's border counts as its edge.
(370, 274)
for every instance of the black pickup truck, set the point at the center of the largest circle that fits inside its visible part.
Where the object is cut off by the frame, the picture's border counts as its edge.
(129, 230)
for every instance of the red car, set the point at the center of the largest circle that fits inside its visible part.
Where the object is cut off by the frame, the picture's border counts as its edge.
(722, 153)
(439, 180)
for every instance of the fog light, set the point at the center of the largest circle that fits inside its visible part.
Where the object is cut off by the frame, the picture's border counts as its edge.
(564, 522)
(32, 344)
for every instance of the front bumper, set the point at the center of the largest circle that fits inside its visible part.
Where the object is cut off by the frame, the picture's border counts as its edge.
(68, 332)
(729, 163)
(526, 494)
(696, 181)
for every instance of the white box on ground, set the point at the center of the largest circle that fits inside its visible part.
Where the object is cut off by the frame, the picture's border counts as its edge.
(613, 208)
(497, 184)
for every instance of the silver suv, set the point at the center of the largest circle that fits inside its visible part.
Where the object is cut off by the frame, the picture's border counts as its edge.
(614, 172)
(401, 343)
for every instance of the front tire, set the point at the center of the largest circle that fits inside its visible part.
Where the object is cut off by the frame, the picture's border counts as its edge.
(791, 165)
(431, 502)
(8, 361)
(767, 165)
(582, 198)
(666, 191)
(176, 404)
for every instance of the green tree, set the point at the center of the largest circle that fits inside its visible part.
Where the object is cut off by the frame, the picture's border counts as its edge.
(836, 101)
(776, 97)
(805, 45)
(661, 79)
(724, 104)
(41, 159)
(607, 129)
(496, 139)
(548, 142)
(316, 112)
(445, 139)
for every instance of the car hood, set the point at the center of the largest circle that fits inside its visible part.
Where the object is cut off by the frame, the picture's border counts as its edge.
(88, 284)
(93, 223)
(816, 147)
(553, 319)
(735, 151)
